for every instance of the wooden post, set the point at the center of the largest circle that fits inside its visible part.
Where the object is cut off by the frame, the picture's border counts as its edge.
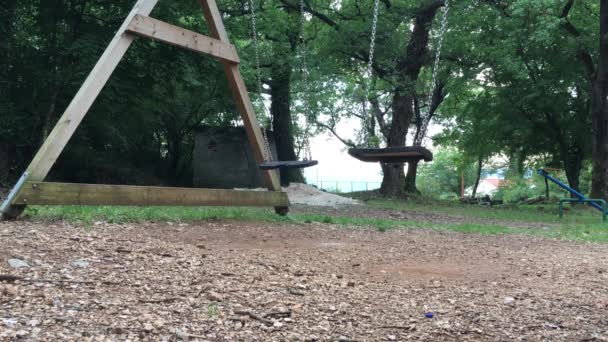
(239, 92)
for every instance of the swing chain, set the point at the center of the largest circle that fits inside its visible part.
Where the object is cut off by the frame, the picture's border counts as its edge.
(254, 37)
(426, 120)
(372, 43)
(267, 153)
(369, 72)
(305, 139)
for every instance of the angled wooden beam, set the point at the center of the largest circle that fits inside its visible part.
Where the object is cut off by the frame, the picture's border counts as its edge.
(174, 35)
(240, 94)
(54, 144)
(88, 92)
(45, 193)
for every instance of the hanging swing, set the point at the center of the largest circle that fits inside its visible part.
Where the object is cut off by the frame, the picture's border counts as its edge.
(268, 163)
(397, 154)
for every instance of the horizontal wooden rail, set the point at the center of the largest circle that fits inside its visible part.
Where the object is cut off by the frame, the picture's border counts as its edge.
(45, 193)
(159, 30)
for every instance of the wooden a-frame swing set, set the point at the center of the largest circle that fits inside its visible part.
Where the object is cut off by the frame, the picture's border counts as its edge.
(31, 188)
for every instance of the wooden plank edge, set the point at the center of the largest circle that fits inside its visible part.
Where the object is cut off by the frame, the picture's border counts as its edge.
(49, 193)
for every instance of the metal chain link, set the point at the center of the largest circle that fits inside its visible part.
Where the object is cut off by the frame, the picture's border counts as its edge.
(254, 36)
(369, 72)
(372, 43)
(266, 151)
(305, 139)
(426, 120)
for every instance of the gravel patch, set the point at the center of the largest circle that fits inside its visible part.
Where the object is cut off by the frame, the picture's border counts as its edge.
(305, 194)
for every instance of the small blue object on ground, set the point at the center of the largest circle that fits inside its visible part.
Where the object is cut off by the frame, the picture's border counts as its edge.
(428, 315)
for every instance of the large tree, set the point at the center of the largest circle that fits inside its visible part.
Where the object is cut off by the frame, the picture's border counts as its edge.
(598, 79)
(529, 90)
(402, 52)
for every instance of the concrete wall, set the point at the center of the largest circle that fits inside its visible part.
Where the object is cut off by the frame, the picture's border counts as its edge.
(223, 158)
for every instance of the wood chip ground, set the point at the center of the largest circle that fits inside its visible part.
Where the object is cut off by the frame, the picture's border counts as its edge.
(238, 281)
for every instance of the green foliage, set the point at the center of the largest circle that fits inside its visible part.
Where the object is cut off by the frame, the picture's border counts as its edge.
(441, 179)
(516, 191)
(519, 88)
(213, 310)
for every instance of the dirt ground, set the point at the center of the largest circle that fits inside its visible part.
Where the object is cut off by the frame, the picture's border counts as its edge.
(236, 281)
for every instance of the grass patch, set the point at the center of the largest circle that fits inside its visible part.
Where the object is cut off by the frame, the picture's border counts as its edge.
(596, 232)
(486, 229)
(526, 213)
(213, 310)
(90, 214)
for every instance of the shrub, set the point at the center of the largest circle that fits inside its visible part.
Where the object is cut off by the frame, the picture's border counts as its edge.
(514, 192)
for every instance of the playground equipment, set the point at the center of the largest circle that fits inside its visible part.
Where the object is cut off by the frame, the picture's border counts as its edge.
(32, 189)
(293, 164)
(598, 204)
(401, 154)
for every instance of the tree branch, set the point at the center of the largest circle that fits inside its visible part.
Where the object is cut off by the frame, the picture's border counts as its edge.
(314, 13)
(346, 142)
(379, 117)
(583, 55)
(387, 3)
(567, 9)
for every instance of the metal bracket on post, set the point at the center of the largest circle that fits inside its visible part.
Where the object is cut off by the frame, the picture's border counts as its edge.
(11, 196)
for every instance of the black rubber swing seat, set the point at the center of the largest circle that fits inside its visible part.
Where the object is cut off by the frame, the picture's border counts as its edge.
(402, 154)
(286, 165)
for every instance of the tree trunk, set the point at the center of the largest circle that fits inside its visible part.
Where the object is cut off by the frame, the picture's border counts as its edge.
(477, 176)
(174, 150)
(394, 182)
(572, 159)
(48, 121)
(7, 15)
(282, 124)
(599, 112)
(4, 163)
(599, 183)
(410, 178)
(573, 172)
(517, 159)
